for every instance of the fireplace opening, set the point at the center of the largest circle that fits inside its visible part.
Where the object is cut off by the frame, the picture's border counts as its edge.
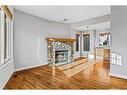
(61, 57)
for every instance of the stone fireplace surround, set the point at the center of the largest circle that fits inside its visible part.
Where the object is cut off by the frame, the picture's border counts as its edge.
(57, 45)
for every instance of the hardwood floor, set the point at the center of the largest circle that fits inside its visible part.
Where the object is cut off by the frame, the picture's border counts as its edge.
(46, 77)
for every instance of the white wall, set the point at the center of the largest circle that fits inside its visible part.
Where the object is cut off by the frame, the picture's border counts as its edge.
(91, 21)
(119, 38)
(7, 69)
(30, 33)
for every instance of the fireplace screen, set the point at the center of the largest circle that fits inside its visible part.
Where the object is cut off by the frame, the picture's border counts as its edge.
(61, 57)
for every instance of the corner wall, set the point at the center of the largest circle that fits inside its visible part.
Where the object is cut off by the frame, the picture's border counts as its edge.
(30, 45)
(119, 38)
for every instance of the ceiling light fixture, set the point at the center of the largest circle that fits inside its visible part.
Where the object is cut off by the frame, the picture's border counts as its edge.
(87, 29)
(65, 20)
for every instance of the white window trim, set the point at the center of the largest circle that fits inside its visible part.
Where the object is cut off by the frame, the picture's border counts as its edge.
(116, 59)
(9, 38)
(2, 38)
(79, 43)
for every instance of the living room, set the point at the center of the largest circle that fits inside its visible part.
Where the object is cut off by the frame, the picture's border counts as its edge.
(62, 47)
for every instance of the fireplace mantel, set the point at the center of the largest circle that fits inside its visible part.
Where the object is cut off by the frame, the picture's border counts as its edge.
(61, 39)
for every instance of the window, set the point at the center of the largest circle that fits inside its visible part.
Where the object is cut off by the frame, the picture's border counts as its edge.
(5, 36)
(86, 42)
(104, 39)
(77, 41)
(116, 58)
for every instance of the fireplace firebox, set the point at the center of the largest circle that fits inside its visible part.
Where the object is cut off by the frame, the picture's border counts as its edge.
(61, 56)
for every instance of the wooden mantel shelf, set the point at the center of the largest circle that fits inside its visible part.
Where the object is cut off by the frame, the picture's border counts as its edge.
(61, 39)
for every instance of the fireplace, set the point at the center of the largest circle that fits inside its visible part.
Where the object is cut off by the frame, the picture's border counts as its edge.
(61, 57)
(60, 51)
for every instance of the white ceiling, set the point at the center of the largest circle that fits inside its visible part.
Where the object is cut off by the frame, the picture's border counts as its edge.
(98, 26)
(58, 13)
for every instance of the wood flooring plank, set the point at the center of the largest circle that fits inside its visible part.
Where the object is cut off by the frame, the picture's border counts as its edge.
(46, 77)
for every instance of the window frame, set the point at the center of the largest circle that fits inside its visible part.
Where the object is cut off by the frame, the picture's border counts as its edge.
(83, 41)
(109, 39)
(5, 38)
(77, 44)
(115, 59)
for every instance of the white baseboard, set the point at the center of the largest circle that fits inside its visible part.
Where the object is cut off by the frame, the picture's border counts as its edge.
(118, 75)
(29, 67)
(7, 79)
(6, 72)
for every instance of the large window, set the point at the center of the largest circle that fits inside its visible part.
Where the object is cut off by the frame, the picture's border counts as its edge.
(5, 35)
(77, 41)
(86, 42)
(104, 39)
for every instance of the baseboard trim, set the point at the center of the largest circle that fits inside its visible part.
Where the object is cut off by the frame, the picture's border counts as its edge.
(29, 67)
(9, 74)
(118, 75)
(8, 79)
